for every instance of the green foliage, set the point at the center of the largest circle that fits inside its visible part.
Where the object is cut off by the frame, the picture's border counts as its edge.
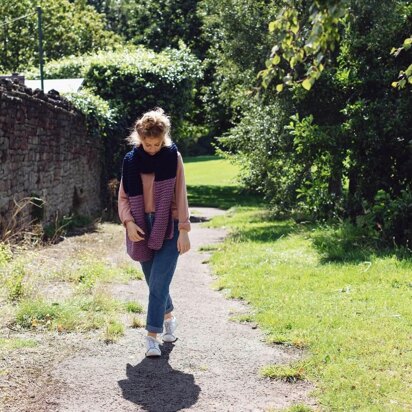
(100, 117)
(69, 28)
(132, 81)
(136, 82)
(233, 28)
(305, 32)
(5, 254)
(14, 283)
(405, 76)
(345, 243)
(264, 152)
(37, 313)
(391, 217)
(134, 307)
(325, 152)
(156, 24)
(113, 331)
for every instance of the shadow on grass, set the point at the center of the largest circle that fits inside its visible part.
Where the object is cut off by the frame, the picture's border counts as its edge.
(223, 197)
(350, 244)
(272, 232)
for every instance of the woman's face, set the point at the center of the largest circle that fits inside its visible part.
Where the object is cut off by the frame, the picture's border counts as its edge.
(152, 145)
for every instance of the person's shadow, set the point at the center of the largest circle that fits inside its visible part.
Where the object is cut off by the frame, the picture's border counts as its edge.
(156, 387)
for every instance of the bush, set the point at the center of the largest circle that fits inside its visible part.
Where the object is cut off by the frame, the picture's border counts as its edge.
(391, 217)
(134, 80)
(100, 117)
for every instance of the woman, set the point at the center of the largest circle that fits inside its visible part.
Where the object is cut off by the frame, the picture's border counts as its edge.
(154, 209)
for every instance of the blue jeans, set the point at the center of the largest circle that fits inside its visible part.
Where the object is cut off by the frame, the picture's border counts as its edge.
(159, 273)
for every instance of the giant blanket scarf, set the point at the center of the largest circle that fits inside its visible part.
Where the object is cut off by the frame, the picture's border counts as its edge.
(164, 165)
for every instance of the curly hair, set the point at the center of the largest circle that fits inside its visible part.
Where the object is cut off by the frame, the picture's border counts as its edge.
(154, 123)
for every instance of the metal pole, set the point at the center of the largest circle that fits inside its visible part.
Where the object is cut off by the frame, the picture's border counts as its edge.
(39, 13)
(5, 44)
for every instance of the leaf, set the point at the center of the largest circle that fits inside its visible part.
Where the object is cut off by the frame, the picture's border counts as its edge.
(295, 29)
(407, 42)
(272, 26)
(307, 84)
(276, 60)
(279, 87)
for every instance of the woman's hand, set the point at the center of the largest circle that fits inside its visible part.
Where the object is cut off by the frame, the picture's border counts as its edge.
(134, 232)
(183, 242)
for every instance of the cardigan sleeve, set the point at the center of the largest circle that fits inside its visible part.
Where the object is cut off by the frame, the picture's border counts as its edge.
(181, 197)
(123, 206)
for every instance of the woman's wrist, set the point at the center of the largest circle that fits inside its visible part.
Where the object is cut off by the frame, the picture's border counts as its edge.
(125, 223)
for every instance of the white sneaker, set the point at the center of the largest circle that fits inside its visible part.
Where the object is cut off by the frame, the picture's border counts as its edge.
(170, 327)
(152, 346)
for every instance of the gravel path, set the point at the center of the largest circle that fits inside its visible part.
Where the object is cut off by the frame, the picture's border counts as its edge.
(213, 366)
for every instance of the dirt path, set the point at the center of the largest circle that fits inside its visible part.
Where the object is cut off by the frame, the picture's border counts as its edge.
(212, 367)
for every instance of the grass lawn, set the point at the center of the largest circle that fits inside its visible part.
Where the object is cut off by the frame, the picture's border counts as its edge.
(353, 316)
(211, 181)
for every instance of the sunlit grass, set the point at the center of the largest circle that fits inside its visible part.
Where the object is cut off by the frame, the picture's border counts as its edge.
(210, 171)
(133, 307)
(113, 331)
(213, 182)
(7, 344)
(354, 317)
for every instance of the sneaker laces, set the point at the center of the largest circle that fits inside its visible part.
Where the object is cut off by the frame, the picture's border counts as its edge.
(152, 344)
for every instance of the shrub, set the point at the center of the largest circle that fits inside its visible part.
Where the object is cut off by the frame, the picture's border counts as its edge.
(134, 80)
(100, 117)
(391, 217)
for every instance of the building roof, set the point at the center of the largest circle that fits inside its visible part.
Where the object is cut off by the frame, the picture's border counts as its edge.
(61, 85)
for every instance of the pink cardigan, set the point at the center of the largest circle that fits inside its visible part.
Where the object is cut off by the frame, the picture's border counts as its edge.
(180, 207)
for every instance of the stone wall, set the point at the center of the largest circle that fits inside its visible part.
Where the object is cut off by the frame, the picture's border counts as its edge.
(45, 152)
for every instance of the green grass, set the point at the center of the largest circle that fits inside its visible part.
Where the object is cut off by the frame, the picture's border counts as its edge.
(212, 181)
(287, 373)
(79, 313)
(16, 343)
(87, 307)
(113, 331)
(133, 307)
(354, 317)
(210, 171)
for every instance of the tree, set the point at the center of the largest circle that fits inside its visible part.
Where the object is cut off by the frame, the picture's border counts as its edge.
(68, 29)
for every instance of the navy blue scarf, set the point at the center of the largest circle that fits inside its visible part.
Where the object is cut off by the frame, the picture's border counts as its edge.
(164, 165)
